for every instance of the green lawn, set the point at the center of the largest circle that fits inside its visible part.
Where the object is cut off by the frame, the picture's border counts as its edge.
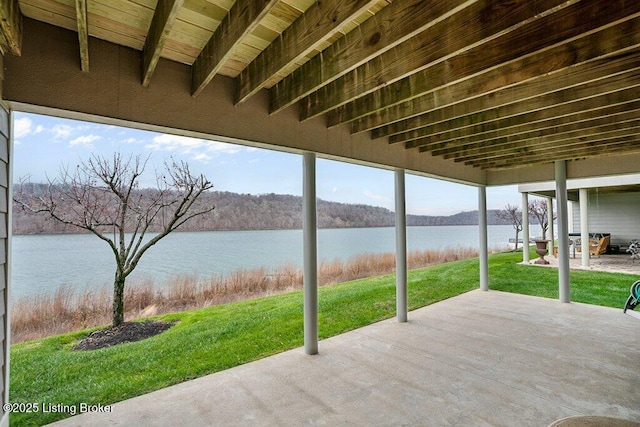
(216, 338)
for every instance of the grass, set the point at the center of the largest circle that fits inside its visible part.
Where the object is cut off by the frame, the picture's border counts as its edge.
(219, 337)
(66, 311)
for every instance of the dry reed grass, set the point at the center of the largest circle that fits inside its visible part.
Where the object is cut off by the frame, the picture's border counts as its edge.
(66, 310)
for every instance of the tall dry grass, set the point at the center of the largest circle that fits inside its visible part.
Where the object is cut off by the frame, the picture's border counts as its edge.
(66, 310)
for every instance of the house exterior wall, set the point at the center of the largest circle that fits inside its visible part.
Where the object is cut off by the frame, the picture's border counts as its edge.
(615, 213)
(5, 221)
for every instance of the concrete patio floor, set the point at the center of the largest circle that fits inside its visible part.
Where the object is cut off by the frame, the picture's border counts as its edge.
(618, 263)
(479, 359)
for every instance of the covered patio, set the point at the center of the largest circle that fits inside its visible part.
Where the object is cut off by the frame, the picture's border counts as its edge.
(481, 358)
(478, 92)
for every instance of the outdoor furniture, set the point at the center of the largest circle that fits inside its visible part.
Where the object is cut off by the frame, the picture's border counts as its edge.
(597, 244)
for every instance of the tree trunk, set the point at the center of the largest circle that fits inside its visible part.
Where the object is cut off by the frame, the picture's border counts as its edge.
(517, 232)
(118, 300)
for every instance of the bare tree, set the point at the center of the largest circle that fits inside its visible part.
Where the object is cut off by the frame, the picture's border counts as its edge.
(539, 210)
(102, 196)
(513, 214)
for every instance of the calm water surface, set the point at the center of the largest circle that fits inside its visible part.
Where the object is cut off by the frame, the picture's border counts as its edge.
(41, 263)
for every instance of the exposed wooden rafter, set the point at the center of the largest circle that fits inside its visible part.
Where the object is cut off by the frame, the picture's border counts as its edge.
(10, 27)
(83, 33)
(486, 26)
(322, 21)
(393, 25)
(163, 19)
(461, 84)
(242, 19)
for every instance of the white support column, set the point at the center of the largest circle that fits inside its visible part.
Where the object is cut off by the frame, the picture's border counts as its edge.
(525, 228)
(483, 246)
(310, 250)
(401, 248)
(584, 226)
(563, 234)
(551, 228)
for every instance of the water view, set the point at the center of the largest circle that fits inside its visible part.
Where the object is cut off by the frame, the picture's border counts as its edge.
(44, 262)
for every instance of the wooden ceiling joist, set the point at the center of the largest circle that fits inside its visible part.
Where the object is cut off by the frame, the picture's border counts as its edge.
(83, 33)
(544, 129)
(578, 151)
(393, 25)
(237, 25)
(549, 142)
(591, 95)
(472, 136)
(568, 59)
(163, 19)
(10, 27)
(486, 25)
(562, 81)
(456, 71)
(321, 22)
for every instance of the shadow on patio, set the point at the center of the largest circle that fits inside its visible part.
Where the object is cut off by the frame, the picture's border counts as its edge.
(482, 358)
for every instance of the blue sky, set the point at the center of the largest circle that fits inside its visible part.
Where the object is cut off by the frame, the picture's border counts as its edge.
(43, 144)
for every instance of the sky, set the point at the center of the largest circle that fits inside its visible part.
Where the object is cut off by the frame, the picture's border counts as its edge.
(43, 144)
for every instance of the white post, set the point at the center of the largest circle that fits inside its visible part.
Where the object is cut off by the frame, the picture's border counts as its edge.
(551, 228)
(310, 246)
(483, 249)
(525, 228)
(584, 226)
(563, 234)
(401, 248)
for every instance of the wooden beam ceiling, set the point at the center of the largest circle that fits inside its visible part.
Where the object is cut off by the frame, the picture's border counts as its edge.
(163, 19)
(320, 23)
(83, 33)
(482, 83)
(10, 27)
(243, 17)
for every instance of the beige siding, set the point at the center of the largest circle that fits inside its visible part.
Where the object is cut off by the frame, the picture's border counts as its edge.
(615, 213)
(4, 268)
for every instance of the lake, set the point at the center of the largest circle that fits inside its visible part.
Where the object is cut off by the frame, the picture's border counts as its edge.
(44, 262)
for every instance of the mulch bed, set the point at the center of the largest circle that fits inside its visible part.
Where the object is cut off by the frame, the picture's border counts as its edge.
(127, 332)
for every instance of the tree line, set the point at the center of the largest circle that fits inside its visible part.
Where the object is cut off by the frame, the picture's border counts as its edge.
(235, 211)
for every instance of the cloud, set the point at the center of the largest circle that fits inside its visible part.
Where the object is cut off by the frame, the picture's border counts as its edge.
(62, 131)
(85, 141)
(186, 145)
(202, 157)
(22, 127)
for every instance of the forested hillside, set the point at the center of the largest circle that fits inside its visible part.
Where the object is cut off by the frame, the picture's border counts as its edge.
(250, 212)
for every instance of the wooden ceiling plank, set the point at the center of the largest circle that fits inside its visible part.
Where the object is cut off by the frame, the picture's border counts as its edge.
(242, 18)
(630, 148)
(393, 25)
(550, 142)
(588, 97)
(612, 102)
(10, 28)
(543, 129)
(578, 151)
(83, 33)
(564, 99)
(317, 25)
(457, 69)
(575, 55)
(163, 19)
(470, 29)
